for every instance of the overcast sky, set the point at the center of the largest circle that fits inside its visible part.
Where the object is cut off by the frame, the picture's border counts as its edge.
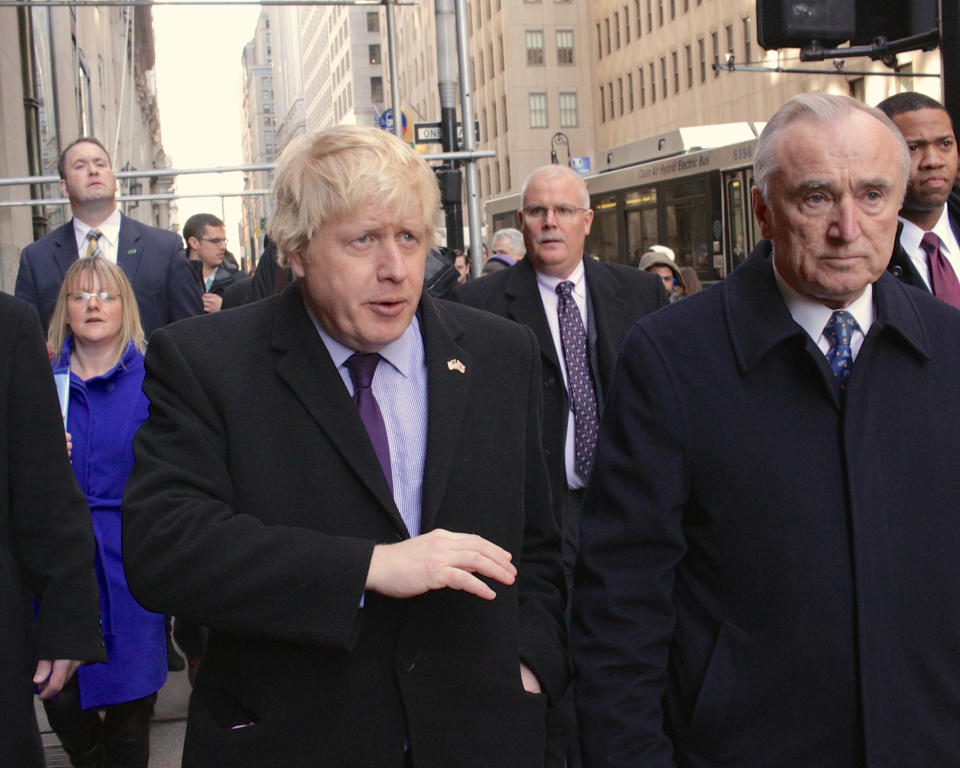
(199, 82)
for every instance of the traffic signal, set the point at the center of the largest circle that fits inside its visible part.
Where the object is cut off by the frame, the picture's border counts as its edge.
(797, 23)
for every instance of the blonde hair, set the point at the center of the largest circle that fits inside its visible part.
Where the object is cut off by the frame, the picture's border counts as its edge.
(325, 176)
(83, 275)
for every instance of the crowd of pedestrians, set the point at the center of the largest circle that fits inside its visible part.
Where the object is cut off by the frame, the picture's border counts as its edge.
(572, 513)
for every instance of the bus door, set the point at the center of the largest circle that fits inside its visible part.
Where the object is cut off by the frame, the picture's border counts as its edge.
(689, 229)
(640, 206)
(603, 243)
(741, 229)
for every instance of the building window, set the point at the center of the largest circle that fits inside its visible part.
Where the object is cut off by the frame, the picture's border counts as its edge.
(676, 71)
(620, 94)
(616, 25)
(485, 125)
(626, 23)
(490, 60)
(603, 107)
(642, 88)
(610, 94)
(715, 42)
(663, 77)
(376, 89)
(701, 50)
(374, 50)
(630, 90)
(503, 109)
(534, 46)
(538, 110)
(606, 23)
(564, 46)
(653, 83)
(568, 110)
(688, 53)
(673, 9)
(373, 21)
(659, 13)
(493, 119)
(500, 52)
(636, 13)
(599, 42)
(730, 39)
(649, 15)
(481, 69)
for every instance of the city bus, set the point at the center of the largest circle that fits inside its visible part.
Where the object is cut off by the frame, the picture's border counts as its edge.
(688, 189)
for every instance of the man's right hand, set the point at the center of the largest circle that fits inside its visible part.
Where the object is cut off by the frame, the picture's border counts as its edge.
(438, 560)
(212, 302)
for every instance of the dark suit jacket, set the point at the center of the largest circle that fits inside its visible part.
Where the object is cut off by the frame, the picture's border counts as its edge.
(253, 509)
(152, 259)
(901, 266)
(618, 297)
(768, 572)
(46, 538)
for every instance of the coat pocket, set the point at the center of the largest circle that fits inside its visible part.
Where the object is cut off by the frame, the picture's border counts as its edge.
(713, 702)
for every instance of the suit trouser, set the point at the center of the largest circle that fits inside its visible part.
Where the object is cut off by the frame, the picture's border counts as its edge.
(120, 740)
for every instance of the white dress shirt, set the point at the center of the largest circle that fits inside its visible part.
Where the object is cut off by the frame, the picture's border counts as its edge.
(813, 316)
(911, 235)
(548, 294)
(109, 236)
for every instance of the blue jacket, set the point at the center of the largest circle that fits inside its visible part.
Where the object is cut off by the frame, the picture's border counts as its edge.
(103, 414)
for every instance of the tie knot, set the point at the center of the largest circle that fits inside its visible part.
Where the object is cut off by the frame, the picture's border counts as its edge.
(840, 327)
(94, 234)
(565, 289)
(930, 243)
(362, 366)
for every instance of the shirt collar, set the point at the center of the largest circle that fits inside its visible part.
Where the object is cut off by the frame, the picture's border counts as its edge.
(576, 277)
(911, 234)
(109, 228)
(397, 353)
(812, 316)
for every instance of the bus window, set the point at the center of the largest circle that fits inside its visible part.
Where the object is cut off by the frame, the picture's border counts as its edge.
(688, 226)
(604, 240)
(504, 221)
(737, 247)
(641, 215)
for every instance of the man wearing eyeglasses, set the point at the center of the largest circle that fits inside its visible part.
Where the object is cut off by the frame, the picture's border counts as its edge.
(579, 309)
(206, 240)
(152, 258)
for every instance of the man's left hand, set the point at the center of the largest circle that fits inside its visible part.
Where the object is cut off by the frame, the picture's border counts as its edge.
(530, 682)
(51, 676)
(212, 302)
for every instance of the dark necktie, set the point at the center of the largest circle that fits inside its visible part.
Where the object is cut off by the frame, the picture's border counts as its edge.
(583, 398)
(839, 330)
(362, 367)
(943, 280)
(93, 244)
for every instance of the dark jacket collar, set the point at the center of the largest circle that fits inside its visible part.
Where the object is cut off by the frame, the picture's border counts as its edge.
(758, 318)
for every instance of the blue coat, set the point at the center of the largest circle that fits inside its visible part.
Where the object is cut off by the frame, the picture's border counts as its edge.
(103, 414)
(151, 258)
(769, 573)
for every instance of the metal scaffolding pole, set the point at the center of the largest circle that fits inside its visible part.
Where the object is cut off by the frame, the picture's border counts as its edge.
(469, 141)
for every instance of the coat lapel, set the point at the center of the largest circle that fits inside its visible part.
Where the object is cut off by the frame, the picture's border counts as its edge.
(305, 365)
(65, 248)
(608, 303)
(449, 372)
(525, 306)
(129, 247)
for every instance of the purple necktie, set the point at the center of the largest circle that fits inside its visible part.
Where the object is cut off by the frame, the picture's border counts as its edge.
(583, 397)
(362, 367)
(943, 280)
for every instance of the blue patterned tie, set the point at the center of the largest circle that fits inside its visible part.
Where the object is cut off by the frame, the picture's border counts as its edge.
(583, 397)
(839, 330)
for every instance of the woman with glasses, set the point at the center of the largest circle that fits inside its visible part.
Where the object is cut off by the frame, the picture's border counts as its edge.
(97, 344)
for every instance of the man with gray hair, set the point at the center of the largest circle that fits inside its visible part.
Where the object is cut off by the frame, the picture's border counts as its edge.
(768, 573)
(372, 599)
(507, 250)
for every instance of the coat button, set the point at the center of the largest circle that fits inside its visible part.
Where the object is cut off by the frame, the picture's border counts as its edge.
(407, 663)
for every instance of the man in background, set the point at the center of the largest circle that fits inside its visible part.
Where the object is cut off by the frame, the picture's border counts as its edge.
(152, 259)
(206, 239)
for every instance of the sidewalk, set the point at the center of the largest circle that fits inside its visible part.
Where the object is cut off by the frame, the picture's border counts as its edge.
(166, 731)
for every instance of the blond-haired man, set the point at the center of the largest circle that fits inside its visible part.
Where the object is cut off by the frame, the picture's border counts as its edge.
(326, 509)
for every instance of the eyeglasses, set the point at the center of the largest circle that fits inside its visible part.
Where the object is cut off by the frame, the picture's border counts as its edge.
(562, 212)
(214, 240)
(105, 297)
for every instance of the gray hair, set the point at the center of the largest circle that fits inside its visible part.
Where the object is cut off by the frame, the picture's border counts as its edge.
(820, 108)
(556, 172)
(512, 236)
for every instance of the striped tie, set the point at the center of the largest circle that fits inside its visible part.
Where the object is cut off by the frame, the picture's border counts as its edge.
(93, 244)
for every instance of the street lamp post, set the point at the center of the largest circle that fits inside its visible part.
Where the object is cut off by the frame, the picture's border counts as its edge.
(560, 139)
